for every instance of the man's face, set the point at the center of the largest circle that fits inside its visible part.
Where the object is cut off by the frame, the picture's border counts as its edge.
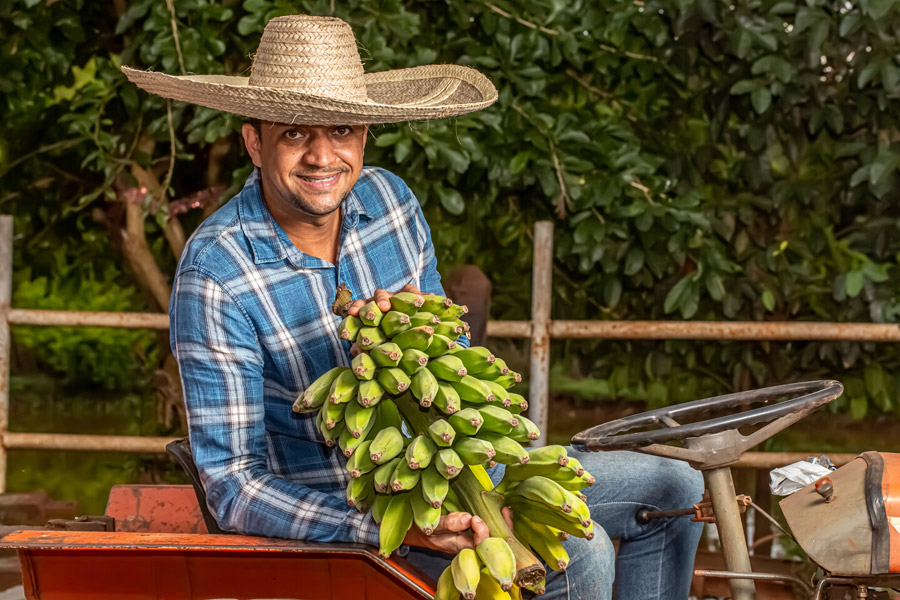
(307, 168)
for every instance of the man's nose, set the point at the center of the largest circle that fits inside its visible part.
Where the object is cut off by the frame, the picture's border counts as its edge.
(319, 151)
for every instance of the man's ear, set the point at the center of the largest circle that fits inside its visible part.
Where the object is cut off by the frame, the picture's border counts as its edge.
(252, 143)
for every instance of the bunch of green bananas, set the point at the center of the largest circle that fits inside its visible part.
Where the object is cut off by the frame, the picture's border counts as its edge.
(419, 418)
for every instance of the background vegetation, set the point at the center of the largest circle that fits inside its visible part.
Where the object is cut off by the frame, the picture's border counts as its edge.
(701, 160)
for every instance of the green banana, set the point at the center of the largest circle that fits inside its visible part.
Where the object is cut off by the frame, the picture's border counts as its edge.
(317, 392)
(349, 328)
(447, 399)
(573, 467)
(508, 451)
(454, 311)
(489, 589)
(382, 475)
(476, 358)
(546, 491)
(420, 452)
(424, 387)
(542, 461)
(393, 380)
(343, 388)
(412, 360)
(498, 557)
(440, 345)
(360, 462)
(474, 451)
(407, 302)
(359, 419)
(370, 314)
(441, 432)
(403, 478)
(494, 370)
(445, 588)
(509, 380)
(332, 414)
(501, 396)
(417, 338)
(552, 518)
(379, 505)
(518, 403)
(423, 318)
(394, 322)
(452, 503)
(472, 390)
(448, 463)
(434, 486)
(467, 421)
(386, 355)
(389, 415)
(449, 329)
(544, 540)
(466, 572)
(574, 483)
(539, 589)
(426, 517)
(329, 435)
(363, 367)
(369, 337)
(434, 303)
(525, 430)
(370, 393)
(497, 420)
(348, 444)
(397, 520)
(387, 444)
(447, 368)
(359, 488)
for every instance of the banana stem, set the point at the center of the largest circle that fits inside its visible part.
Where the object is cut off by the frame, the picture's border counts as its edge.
(488, 505)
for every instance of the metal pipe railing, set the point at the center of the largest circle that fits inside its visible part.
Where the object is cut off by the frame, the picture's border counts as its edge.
(540, 330)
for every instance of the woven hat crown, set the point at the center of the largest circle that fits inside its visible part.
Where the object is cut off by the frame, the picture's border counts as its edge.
(310, 55)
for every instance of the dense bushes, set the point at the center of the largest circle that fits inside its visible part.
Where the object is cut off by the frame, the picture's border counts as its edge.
(701, 160)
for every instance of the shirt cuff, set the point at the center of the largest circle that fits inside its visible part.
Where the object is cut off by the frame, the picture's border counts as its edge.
(367, 530)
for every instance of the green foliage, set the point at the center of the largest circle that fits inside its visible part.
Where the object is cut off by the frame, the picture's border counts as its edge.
(701, 160)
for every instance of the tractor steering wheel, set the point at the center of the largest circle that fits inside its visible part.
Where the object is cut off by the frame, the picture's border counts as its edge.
(713, 442)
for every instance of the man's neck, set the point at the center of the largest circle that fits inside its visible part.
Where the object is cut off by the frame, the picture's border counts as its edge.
(314, 235)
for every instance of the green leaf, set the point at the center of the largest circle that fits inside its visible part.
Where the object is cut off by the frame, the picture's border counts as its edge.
(768, 300)
(634, 261)
(853, 283)
(714, 286)
(612, 290)
(673, 298)
(745, 86)
(761, 100)
(883, 165)
(859, 406)
(518, 162)
(451, 200)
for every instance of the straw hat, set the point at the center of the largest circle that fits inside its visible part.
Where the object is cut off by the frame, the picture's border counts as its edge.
(307, 70)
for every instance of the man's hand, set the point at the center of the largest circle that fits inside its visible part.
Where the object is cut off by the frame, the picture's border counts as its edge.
(455, 531)
(383, 299)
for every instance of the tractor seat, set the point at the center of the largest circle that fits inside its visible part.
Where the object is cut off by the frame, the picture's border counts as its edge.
(181, 451)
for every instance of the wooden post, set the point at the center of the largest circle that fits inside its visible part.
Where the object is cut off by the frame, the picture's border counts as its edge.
(6, 272)
(541, 295)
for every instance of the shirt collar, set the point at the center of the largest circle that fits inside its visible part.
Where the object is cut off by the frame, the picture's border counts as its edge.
(268, 240)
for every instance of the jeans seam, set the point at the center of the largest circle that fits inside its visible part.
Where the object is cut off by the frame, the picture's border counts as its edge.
(665, 533)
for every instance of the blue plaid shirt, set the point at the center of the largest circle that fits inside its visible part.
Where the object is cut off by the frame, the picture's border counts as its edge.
(251, 327)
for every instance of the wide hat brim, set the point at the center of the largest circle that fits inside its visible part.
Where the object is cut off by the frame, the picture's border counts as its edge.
(414, 94)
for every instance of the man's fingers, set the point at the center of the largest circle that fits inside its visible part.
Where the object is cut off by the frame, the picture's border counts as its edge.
(355, 350)
(411, 289)
(480, 531)
(454, 523)
(354, 308)
(383, 299)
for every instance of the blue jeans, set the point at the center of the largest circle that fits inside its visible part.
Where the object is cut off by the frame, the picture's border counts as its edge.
(654, 562)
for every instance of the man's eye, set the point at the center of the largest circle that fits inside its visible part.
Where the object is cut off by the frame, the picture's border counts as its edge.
(292, 134)
(343, 130)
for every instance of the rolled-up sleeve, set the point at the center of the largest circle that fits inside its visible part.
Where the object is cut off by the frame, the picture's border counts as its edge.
(221, 365)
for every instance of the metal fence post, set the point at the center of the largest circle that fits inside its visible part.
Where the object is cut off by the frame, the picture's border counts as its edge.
(541, 295)
(6, 271)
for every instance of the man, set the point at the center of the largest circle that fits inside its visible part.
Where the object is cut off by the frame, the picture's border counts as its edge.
(251, 309)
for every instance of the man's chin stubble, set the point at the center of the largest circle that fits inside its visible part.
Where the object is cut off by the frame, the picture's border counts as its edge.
(300, 204)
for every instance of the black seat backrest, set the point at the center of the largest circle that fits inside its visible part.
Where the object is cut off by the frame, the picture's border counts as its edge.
(181, 450)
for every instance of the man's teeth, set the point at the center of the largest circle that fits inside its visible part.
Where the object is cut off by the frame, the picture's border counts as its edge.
(319, 179)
